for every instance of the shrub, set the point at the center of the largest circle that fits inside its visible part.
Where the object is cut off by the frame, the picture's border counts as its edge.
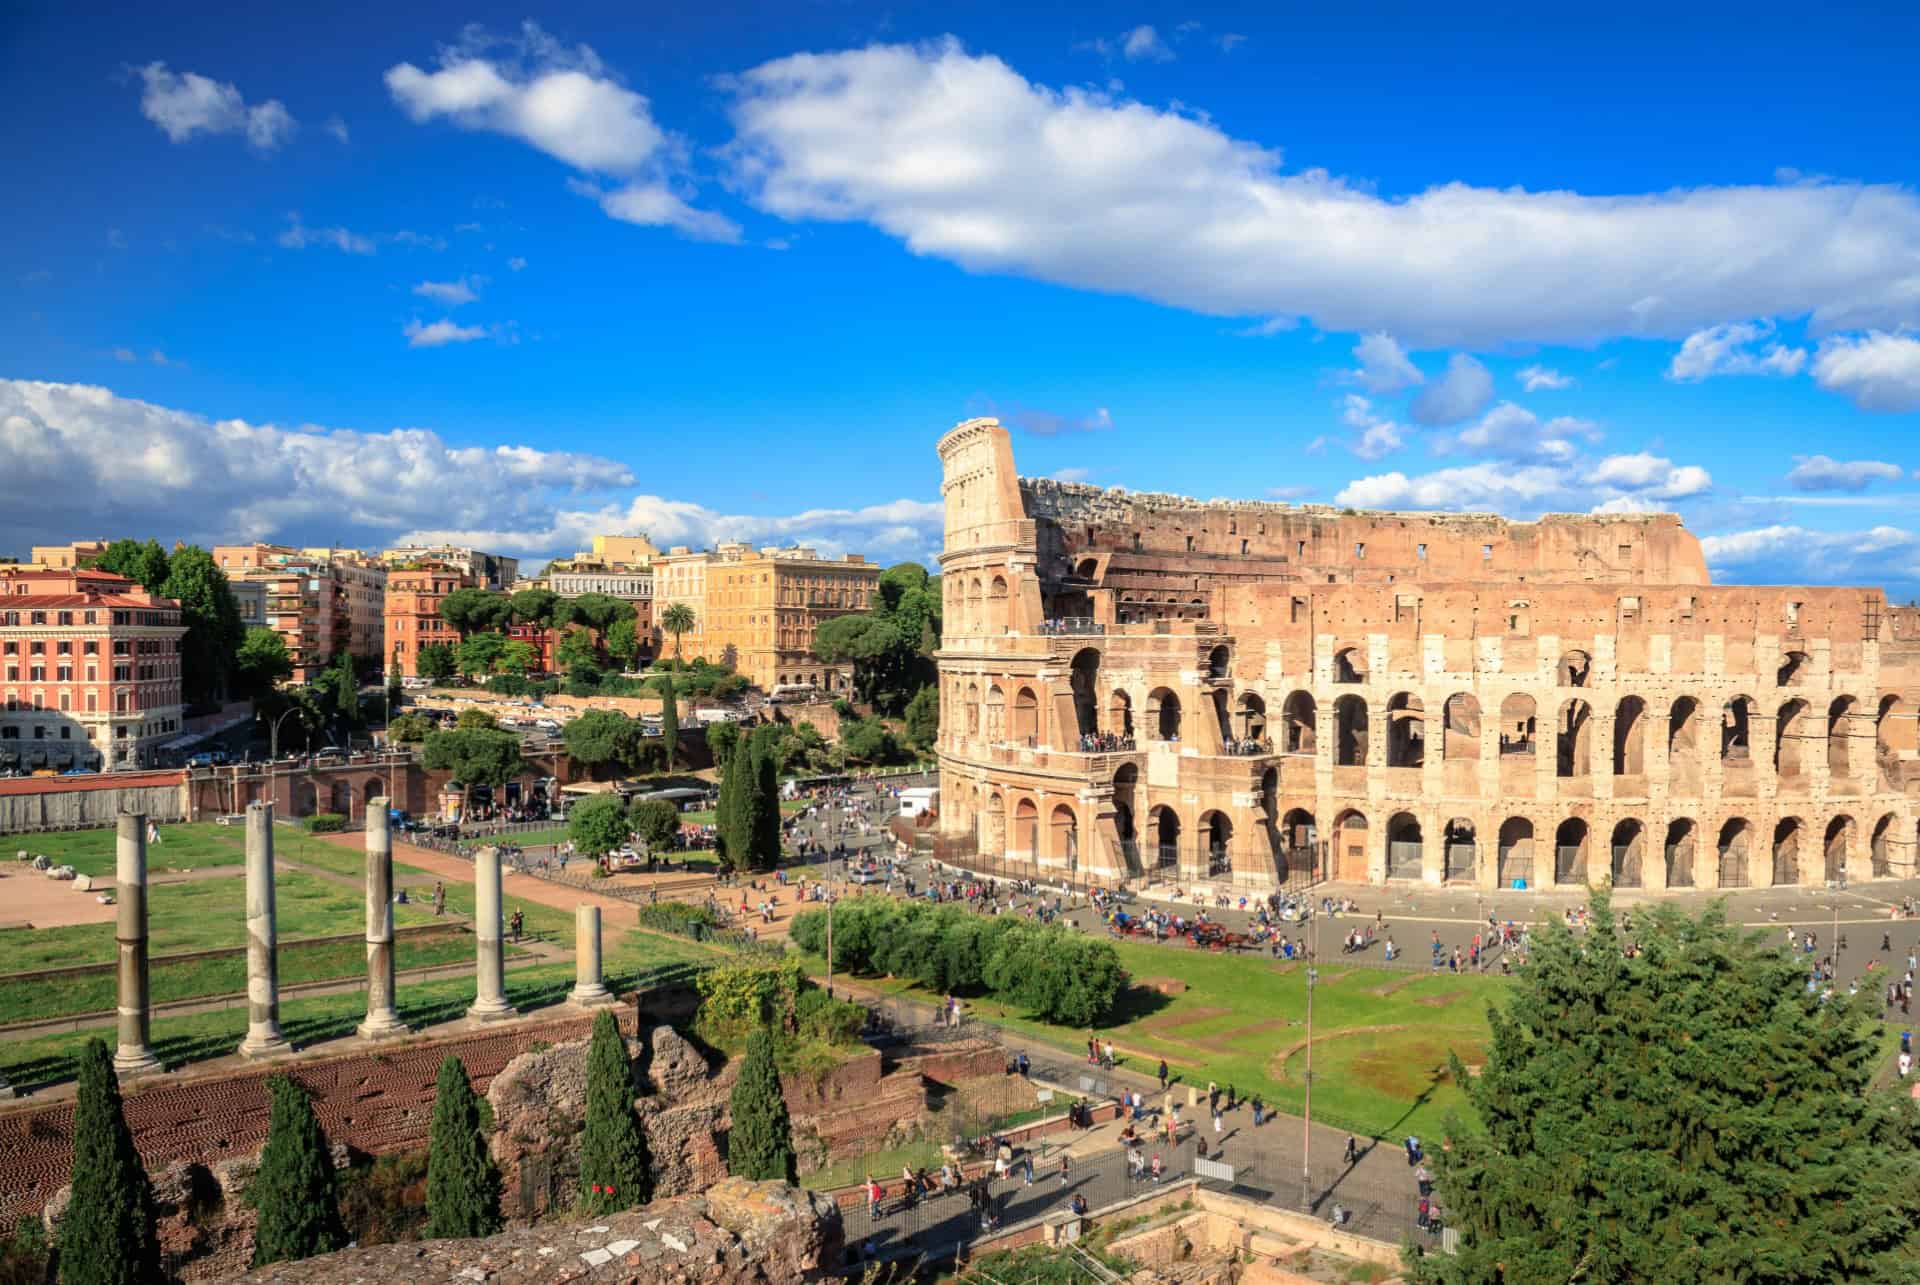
(24, 1255)
(463, 1185)
(760, 1143)
(384, 1201)
(681, 918)
(107, 1237)
(326, 823)
(819, 1016)
(299, 1213)
(738, 998)
(613, 1152)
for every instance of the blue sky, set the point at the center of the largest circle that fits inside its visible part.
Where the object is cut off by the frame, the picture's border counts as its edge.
(727, 271)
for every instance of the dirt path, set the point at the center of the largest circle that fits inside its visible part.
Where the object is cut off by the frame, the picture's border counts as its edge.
(439, 865)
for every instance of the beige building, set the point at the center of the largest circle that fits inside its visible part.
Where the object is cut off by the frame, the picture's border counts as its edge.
(1254, 694)
(757, 609)
(487, 570)
(320, 600)
(64, 557)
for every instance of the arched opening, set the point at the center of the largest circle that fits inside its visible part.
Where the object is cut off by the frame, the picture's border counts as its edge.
(1517, 730)
(1630, 737)
(994, 842)
(1735, 837)
(1879, 858)
(1026, 830)
(976, 609)
(1513, 864)
(1893, 735)
(1795, 668)
(1573, 740)
(997, 619)
(1736, 717)
(1786, 851)
(1163, 714)
(1460, 719)
(1251, 714)
(1350, 846)
(1298, 838)
(1217, 701)
(1349, 665)
(1406, 731)
(1065, 837)
(1026, 716)
(1789, 759)
(1840, 738)
(1680, 839)
(1405, 851)
(1570, 852)
(1216, 831)
(1302, 731)
(1085, 678)
(1125, 781)
(1573, 669)
(1088, 569)
(1458, 856)
(1683, 743)
(973, 710)
(1165, 823)
(1120, 714)
(1350, 732)
(1839, 839)
(1219, 662)
(1629, 846)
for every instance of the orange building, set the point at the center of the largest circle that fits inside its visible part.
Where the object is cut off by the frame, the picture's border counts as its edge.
(413, 618)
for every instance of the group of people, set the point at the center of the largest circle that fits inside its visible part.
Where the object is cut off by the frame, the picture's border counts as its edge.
(1105, 743)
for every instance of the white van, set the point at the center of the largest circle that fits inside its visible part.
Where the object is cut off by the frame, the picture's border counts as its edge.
(924, 798)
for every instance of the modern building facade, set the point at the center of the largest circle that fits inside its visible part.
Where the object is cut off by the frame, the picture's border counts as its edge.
(89, 671)
(1252, 694)
(413, 612)
(485, 570)
(321, 601)
(758, 609)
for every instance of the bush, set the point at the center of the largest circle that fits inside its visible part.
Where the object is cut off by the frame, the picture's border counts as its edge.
(325, 823)
(681, 918)
(385, 1201)
(821, 1017)
(24, 1256)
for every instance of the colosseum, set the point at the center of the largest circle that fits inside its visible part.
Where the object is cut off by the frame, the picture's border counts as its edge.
(1261, 694)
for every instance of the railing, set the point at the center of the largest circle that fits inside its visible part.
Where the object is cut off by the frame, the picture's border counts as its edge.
(1247, 749)
(1072, 625)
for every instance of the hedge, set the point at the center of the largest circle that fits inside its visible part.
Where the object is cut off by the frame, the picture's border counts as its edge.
(681, 918)
(1055, 975)
(326, 823)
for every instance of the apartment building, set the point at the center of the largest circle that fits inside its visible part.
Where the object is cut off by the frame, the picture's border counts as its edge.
(758, 609)
(321, 601)
(413, 618)
(485, 570)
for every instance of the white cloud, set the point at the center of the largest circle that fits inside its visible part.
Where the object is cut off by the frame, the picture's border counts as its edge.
(1143, 43)
(1229, 40)
(452, 294)
(1877, 371)
(440, 333)
(298, 236)
(1374, 435)
(1294, 491)
(337, 128)
(1727, 350)
(1626, 504)
(961, 158)
(516, 263)
(1384, 367)
(1789, 554)
(186, 103)
(1072, 474)
(1535, 379)
(1486, 486)
(80, 458)
(568, 104)
(1509, 431)
(1823, 473)
(1461, 393)
(419, 240)
(1650, 476)
(159, 358)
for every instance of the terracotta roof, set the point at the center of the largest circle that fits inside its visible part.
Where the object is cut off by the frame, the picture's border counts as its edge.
(41, 601)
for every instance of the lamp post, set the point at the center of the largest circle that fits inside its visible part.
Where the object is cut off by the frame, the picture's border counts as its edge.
(273, 753)
(1306, 1123)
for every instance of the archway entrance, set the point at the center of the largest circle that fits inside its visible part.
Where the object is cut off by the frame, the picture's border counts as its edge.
(1350, 847)
(1629, 843)
(1086, 691)
(1165, 824)
(1880, 862)
(1065, 837)
(1735, 836)
(1217, 834)
(1839, 839)
(1514, 864)
(1459, 853)
(1405, 850)
(1570, 852)
(1786, 852)
(1679, 853)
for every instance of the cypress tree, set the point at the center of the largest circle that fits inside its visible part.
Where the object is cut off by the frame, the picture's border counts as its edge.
(737, 834)
(761, 1143)
(669, 718)
(766, 792)
(107, 1236)
(463, 1184)
(614, 1169)
(299, 1212)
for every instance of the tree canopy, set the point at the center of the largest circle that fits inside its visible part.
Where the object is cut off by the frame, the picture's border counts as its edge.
(615, 1172)
(436, 662)
(481, 652)
(262, 661)
(144, 563)
(890, 646)
(603, 737)
(656, 821)
(463, 1183)
(597, 825)
(535, 606)
(474, 757)
(760, 1141)
(1693, 1111)
(923, 718)
(107, 1236)
(212, 618)
(677, 619)
(470, 610)
(293, 1190)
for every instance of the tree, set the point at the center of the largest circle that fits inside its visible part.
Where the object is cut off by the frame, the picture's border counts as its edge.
(293, 1191)
(669, 718)
(657, 822)
(474, 757)
(1690, 1113)
(766, 814)
(535, 606)
(437, 662)
(613, 1152)
(340, 690)
(143, 563)
(868, 740)
(475, 719)
(481, 652)
(410, 728)
(677, 620)
(923, 718)
(107, 1236)
(597, 825)
(760, 1143)
(212, 618)
(262, 661)
(470, 610)
(600, 737)
(518, 657)
(576, 651)
(720, 739)
(463, 1183)
(623, 642)
(597, 611)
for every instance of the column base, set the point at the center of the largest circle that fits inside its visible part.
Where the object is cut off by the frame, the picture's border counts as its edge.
(594, 996)
(264, 1047)
(491, 1010)
(138, 1060)
(382, 1025)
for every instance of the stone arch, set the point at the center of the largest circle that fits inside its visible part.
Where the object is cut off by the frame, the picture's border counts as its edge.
(1252, 716)
(1350, 665)
(999, 619)
(1514, 853)
(1840, 738)
(1406, 849)
(1790, 735)
(1163, 714)
(994, 841)
(1893, 728)
(1026, 716)
(1736, 836)
(1126, 781)
(1063, 836)
(976, 606)
(1219, 660)
(973, 710)
(1570, 851)
(1879, 854)
(1786, 851)
(1120, 713)
(1301, 721)
(1518, 730)
(1216, 840)
(372, 788)
(1084, 677)
(1299, 835)
(996, 714)
(1349, 858)
(1163, 825)
(1630, 737)
(1573, 739)
(1574, 669)
(1839, 840)
(1026, 830)
(1406, 731)
(1628, 851)
(1460, 724)
(1736, 730)
(1459, 857)
(1681, 833)
(1350, 731)
(1796, 668)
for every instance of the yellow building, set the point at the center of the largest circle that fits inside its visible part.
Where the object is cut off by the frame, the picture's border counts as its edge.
(64, 557)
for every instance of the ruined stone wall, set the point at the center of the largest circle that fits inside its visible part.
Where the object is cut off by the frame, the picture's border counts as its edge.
(74, 803)
(1532, 715)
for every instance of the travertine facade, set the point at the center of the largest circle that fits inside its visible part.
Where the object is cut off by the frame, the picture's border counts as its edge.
(1257, 693)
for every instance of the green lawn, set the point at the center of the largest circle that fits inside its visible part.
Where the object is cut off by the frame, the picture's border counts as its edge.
(181, 847)
(1381, 1038)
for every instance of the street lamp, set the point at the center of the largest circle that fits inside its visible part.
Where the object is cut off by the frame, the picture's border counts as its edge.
(273, 753)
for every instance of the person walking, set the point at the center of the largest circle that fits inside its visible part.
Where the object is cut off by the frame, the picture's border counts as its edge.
(1163, 1075)
(1064, 1169)
(439, 898)
(1353, 1150)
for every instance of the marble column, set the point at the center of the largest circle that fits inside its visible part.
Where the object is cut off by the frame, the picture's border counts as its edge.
(490, 998)
(134, 1054)
(588, 988)
(382, 1019)
(263, 943)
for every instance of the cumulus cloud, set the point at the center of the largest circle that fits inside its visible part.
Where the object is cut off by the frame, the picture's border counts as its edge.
(440, 333)
(1384, 366)
(1461, 393)
(183, 104)
(961, 158)
(298, 236)
(1823, 473)
(567, 103)
(1877, 371)
(451, 293)
(1483, 487)
(1649, 476)
(1374, 435)
(1539, 379)
(1143, 44)
(1729, 350)
(1509, 431)
(1072, 474)
(1784, 553)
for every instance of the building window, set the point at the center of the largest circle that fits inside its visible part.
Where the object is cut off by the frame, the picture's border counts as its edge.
(1359, 550)
(1420, 551)
(1486, 553)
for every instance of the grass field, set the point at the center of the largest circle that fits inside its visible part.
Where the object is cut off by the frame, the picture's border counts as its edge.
(181, 847)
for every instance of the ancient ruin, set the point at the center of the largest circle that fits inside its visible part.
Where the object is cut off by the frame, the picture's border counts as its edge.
(1255, 694)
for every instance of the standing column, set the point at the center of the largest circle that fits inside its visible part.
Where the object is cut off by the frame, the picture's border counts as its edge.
(382, 1019)
(588, 988)
(130, 892)
(490, 1000)
(263, 954)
